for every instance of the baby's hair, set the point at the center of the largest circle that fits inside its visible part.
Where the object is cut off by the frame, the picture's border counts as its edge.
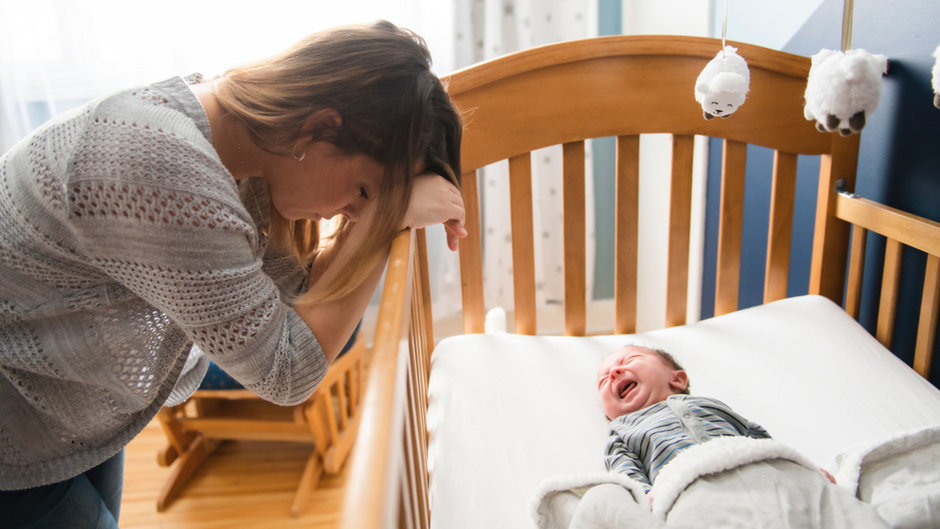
(670, 361)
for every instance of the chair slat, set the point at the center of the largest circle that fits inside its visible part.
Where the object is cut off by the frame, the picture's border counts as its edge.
(471, 258)
(343, 410)
(523, 252)
(731, 218)
(853, 288)
(780, 228)
(626, 233)
(574, 250)
(927, 326)
(327, 409)
(889, 293)
(680, 216)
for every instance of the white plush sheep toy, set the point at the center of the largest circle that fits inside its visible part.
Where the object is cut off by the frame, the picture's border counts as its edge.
(723, 84)
(936, 77)
(843, 88)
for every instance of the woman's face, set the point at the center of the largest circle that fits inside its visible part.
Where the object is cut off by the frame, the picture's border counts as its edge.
(325, 183)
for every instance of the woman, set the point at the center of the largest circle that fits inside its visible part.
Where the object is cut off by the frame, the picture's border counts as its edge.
(178, 214)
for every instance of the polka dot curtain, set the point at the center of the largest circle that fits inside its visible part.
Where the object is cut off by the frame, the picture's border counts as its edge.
(491, 28)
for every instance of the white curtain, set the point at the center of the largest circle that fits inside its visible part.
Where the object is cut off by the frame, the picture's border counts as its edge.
(58, 54)
(487, 29)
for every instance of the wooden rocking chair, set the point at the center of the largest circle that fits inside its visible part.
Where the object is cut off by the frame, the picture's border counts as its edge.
(329, 420)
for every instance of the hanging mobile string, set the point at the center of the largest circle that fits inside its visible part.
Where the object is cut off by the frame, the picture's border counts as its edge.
(724, 29)
(847, 9)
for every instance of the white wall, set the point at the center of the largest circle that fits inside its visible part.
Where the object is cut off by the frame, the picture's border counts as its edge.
(762, 22)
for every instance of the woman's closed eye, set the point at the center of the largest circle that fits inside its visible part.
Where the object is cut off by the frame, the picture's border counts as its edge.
(363, 193)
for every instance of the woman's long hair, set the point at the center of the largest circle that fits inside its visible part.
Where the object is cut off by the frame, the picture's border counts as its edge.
(393, 109)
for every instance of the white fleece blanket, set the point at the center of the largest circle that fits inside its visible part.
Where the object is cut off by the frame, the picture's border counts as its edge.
(590, 501)
(899, 476)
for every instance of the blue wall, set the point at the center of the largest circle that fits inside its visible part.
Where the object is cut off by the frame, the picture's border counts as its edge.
(899, 162)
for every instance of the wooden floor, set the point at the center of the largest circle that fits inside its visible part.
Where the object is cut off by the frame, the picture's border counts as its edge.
(243, 484)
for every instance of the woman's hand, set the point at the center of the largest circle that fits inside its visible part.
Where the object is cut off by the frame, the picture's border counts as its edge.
(434, 200)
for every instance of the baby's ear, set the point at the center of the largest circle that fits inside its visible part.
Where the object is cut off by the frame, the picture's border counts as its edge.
(679, 380)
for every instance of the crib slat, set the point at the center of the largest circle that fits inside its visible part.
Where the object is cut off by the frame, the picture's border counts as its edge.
(422, 280)
(853, 289)
(927, 326)
(416, 451)
(889, 293)
(471, 258)
(574, 223)
(731, 217)
(680, 216)
(780, 229)
(523, 253)
(626, 233)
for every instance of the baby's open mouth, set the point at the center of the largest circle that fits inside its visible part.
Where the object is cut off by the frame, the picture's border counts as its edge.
(626, 387)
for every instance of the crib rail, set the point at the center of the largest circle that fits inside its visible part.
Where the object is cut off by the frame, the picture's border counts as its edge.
(900, 229)
(388, 477)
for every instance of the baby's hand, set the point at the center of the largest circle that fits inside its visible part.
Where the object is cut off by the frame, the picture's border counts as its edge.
(649, 496)
(830, 477)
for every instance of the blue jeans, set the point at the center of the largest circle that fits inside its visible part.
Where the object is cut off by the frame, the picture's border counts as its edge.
(91, 500)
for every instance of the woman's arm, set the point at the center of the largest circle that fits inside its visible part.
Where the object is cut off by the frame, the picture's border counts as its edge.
(434, 201)
(334, 322)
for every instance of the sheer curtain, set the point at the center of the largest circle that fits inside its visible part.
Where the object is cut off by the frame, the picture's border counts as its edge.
(58, 54)
(487, 29)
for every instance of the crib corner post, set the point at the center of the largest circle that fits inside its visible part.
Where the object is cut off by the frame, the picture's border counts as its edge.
(830, 236)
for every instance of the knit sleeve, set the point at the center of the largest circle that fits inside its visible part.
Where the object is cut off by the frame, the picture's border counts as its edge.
(622, 460)
(158, 213)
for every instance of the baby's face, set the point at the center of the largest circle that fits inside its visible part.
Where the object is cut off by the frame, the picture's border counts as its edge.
(633, 378)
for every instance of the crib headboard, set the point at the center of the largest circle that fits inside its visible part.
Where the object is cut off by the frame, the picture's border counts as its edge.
(611, 86)
(624, 86)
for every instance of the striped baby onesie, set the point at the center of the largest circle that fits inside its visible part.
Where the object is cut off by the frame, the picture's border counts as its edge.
(642, 442)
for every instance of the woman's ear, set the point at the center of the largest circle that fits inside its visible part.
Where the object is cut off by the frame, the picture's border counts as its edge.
(322, 124)
(679, 380)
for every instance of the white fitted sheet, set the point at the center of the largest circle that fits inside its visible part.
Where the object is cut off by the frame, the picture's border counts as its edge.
(507, 411)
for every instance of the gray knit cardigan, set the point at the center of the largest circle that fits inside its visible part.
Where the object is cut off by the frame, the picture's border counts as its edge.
(123, 241)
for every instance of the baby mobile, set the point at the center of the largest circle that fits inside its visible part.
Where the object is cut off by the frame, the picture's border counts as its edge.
(844, 87)
(722, 86)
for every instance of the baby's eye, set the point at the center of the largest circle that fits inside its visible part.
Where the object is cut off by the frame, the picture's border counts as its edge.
(729, 104)
(715, 103)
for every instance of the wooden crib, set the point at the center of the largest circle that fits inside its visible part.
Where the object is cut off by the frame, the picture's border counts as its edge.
(622, 86)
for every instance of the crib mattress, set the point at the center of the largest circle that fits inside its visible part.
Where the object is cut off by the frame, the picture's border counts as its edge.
(507, 411)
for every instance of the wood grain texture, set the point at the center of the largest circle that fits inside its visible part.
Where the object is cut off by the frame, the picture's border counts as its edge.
(927, 323)
(574, 235)
(888, 306)
(471, 258)
(853, 288)
(626, 233)
(523, 250)
(780, 226)
(680, 217)
(730, 227)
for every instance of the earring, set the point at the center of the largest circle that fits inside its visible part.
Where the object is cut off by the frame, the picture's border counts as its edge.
(299, 157)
